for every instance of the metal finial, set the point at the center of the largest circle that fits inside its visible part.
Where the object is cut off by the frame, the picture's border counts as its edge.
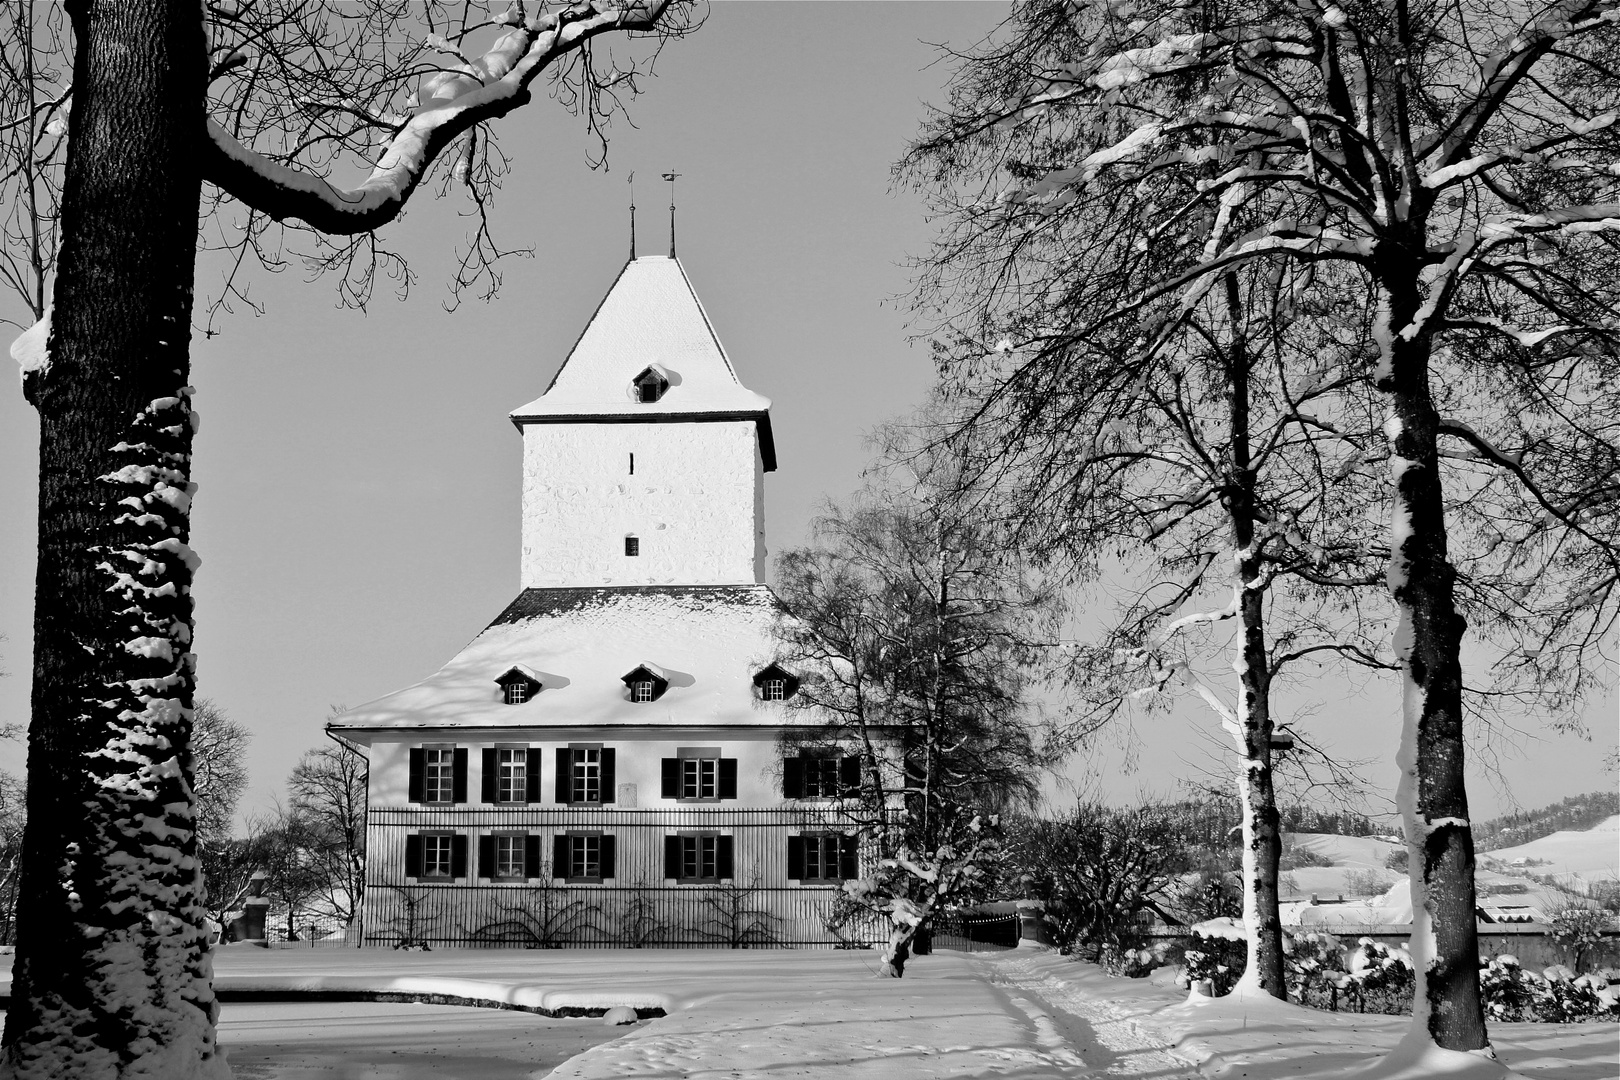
(632, 182)
(671, 176)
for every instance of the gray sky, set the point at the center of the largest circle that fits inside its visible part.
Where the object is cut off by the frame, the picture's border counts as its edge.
(357, 515)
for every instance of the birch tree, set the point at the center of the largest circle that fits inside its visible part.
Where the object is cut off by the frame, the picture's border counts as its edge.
(173, 107)
(1448, 164)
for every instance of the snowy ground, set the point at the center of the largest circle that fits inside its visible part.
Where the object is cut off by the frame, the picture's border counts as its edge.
(811, 1015)
(1591, 854)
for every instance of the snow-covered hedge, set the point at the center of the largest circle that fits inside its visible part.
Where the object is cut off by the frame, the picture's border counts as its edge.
(1555, 996)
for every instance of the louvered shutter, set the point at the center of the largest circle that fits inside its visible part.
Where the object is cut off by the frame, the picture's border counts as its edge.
(607, 857)
(565, 765)
(722, 857)
(793, 778)
(609, 775)
(728, 778)
(458, 775)
(418, 769)
(486, 856)
(672, 857)
(531, 857)
(849, 860)
(795, 858)
(671, 773)
(487, 780)
(458, 856)
(849, 775)
(413, 856)
(560, 857)
(532, 779)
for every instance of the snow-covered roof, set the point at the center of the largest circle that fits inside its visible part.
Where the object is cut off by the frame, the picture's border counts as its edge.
(651, 317)
(708, 641)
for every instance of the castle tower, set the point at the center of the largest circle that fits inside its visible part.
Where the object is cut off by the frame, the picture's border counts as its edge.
(643, 461)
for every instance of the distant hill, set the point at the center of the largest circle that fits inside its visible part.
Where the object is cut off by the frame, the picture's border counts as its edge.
(1574, 814)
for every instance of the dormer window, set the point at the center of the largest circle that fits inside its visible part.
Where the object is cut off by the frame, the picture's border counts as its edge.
(650, 385)
(517, 685)
(775, 683)
(646, 683)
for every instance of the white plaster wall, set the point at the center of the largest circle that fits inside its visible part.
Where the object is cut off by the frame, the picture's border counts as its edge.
(695, 501)
(637, 761)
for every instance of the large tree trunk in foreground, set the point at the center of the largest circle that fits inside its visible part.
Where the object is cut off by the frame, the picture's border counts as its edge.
(1432, 796)
(112, 977)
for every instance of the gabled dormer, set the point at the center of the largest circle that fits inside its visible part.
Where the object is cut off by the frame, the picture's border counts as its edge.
(650, 385)
(645, 682)
(518, 685)
(775, 683)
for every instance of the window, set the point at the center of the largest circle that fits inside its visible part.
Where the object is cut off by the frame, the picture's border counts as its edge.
(508, 856)
(516, 693)
(632, 463)
(632, 546)
(509, 862)
(644, 683)
(641, 690)
(518, 685)
(581, 856)
(699, 773)
(436, 856)
(823, 857)
(699, 777)
(511, 775)
(438, 775)
(649, 386)
(820, 775)
(773, 689)
(696, 858)
(585, 857)
(585, 774)
(775, 683)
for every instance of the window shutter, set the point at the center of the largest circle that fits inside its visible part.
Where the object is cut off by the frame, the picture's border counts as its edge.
(458, 775)
(418, 768)
(796, 857)
(413, 851)
(559, 856)
(458, 856)
(672, 857)
(565, 765)
(849, 774)
(531, 856)
(532, 780)
(849, 860)
(793, 778)
(608, 775)
(607, 857)
(672, 778)
(486, 856)
(487, 781)
(722, 857)
(728, 778)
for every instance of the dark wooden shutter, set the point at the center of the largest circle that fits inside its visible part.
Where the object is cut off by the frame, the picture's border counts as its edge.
(609, 775)
(672, 857)
(722, 857)
(849, 775)
(565, 765)
(458, 775)
(671, 788)
(560, 856)
(532, 780)
(487, 780)
(728, 778)
(413, 853)
(793, 778)
(458, 856)
(607, 857)
(418, 769)
(849, 860)
(486, 856)
(796, 857)
(531, 856)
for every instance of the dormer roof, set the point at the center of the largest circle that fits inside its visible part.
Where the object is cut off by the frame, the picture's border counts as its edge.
(650, 318)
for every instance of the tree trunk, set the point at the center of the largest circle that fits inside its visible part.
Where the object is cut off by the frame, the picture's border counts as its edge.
(893, 959)
(1428, 642)
(1262, 840)
(112, 976)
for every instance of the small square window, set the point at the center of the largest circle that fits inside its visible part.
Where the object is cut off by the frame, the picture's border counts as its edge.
(698, 861)
(517, 693)
(641, 690)
(632, 546)
(773, 689)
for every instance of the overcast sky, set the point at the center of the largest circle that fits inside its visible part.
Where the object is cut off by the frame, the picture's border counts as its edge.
(357, 515)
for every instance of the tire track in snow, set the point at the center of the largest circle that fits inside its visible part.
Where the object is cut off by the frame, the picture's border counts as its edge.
(1111, 1041)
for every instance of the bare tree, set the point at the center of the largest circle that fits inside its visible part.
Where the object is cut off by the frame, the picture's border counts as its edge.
(269, 103)
(327, 794)
(1444, 164)
(218, 769)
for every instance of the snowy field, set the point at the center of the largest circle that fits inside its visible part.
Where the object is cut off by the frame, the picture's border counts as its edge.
(1591, 854)
(810, 1015)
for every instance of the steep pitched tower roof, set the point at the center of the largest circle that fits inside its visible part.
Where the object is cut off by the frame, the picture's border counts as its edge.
(643, 461)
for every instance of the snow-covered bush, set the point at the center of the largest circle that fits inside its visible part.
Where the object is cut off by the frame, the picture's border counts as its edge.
(1507, 989)
(1577, 931)
(1556, 996)
(1381, 978)
(1314, 962)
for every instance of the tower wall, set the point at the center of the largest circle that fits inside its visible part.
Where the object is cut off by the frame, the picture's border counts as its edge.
(693, 501)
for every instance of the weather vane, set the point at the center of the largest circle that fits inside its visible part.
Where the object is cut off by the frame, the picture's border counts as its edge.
(671, 177)
(632, 183)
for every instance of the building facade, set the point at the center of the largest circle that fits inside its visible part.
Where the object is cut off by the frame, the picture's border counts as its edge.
(612, 760)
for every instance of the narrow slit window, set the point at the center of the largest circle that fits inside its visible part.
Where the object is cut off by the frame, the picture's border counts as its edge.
(632, 463)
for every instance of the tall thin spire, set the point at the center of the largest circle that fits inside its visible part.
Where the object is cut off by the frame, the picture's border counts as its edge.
(670, 176)
(632, 217)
